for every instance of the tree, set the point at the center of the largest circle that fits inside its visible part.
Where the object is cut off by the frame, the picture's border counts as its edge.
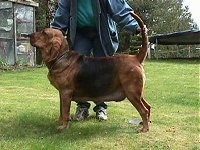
(160, 16)
(164, 16)
(45, 13)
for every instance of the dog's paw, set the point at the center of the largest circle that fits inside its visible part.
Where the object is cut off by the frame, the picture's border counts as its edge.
(62, 128)
(143, 129)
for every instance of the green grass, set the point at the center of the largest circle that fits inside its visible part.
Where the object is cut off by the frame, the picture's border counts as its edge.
(29, 106)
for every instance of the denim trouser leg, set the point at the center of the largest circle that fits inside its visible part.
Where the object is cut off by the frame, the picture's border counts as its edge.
(86, 45)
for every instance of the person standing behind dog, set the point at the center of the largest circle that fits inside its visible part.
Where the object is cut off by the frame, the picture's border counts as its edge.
(91, 28)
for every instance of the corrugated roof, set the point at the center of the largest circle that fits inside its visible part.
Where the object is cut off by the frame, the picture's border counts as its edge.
(26, 2)
(188, 37)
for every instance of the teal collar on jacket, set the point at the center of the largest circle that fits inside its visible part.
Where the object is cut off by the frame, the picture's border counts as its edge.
(73, 17)
(85, 14)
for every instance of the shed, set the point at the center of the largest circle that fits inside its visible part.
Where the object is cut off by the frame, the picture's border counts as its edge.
(17, 21)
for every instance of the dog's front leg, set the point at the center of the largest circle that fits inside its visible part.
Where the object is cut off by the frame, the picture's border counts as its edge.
(59, 120)
(65, 99)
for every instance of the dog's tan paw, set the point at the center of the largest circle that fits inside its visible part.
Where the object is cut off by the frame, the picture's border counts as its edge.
(143, 129)
(62, 127)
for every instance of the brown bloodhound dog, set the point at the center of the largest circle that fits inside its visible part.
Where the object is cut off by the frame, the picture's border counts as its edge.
(80, 78)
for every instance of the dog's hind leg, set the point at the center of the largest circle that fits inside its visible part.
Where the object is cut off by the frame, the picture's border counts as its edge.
(137, 102)
(148, 106)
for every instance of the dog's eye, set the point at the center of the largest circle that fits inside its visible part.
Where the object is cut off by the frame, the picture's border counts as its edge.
(43, 32)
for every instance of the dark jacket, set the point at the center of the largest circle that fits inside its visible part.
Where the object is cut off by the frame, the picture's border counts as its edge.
(107, 12)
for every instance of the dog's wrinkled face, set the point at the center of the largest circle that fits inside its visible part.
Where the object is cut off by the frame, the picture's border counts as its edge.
(50, 42)
(45, 37)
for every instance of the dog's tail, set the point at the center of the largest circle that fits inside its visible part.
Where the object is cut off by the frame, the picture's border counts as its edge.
(145, 41)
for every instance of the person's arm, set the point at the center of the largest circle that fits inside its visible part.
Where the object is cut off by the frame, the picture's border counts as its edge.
(62, 16)
(120, 12)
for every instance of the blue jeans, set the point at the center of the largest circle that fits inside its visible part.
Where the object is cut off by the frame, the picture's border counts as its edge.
(87, 42)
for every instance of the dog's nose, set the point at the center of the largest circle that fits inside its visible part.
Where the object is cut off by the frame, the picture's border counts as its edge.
(26, 35)
(31, 35)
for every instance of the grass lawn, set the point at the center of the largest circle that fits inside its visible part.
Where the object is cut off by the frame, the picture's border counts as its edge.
(29, 106)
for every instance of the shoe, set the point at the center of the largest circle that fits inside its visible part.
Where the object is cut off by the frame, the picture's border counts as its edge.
(81, 113)
(101, 114)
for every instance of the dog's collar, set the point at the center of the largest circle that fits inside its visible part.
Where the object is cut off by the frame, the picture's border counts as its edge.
(65, 54)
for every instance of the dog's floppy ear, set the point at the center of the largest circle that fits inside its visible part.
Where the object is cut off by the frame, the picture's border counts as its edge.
(56, 45)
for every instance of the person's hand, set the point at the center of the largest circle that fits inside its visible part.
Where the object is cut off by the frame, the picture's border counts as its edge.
(138, 30)
(145, 29)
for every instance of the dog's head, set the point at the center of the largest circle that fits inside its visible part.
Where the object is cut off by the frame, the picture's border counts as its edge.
(50, 42)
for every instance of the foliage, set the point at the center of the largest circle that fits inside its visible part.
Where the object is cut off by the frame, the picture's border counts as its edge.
(29, 106)
(45, 13)
(162, 16)
(3, 65)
